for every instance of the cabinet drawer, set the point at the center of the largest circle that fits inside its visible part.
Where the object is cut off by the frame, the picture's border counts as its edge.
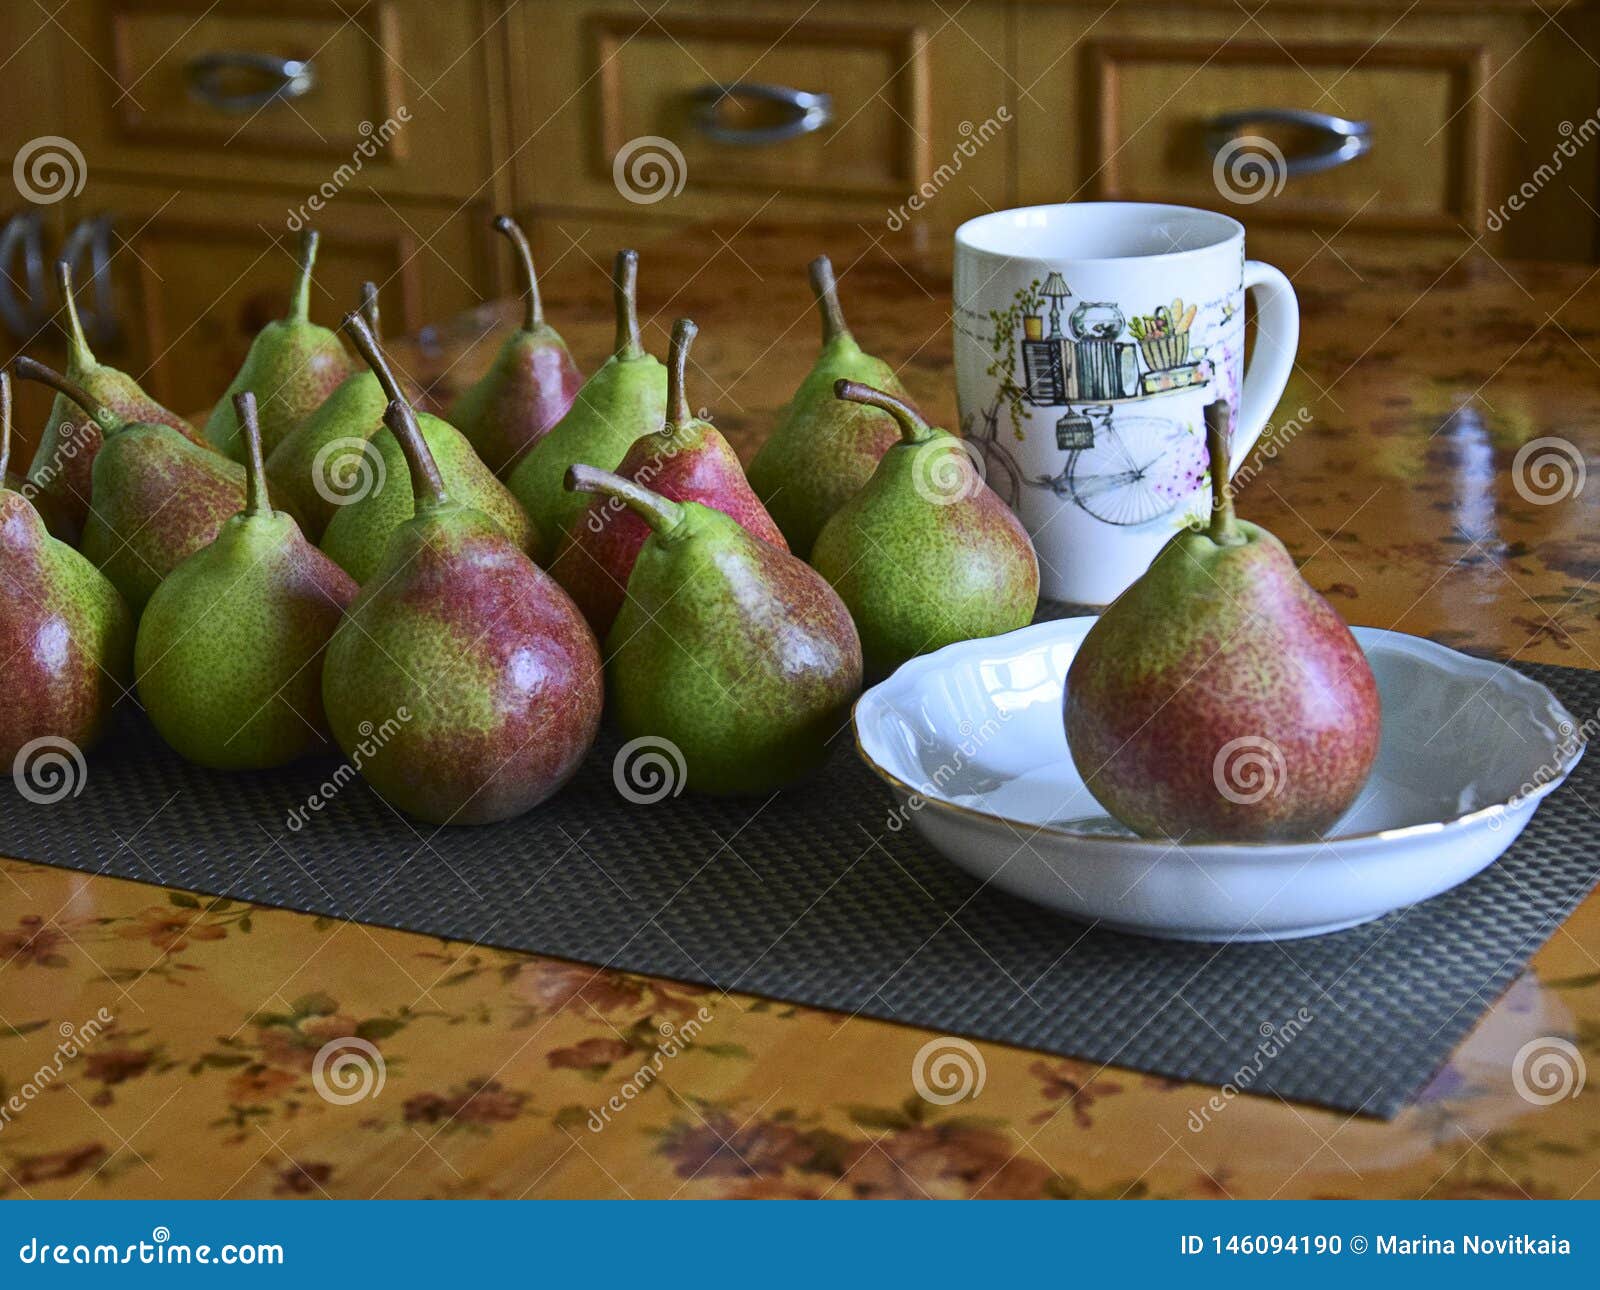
(382, 94)
(793, 110)
(1154, 102)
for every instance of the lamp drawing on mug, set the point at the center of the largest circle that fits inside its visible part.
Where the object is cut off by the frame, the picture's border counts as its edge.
(1131, 393)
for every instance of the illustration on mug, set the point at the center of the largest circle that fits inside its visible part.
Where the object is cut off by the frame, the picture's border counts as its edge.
(1131, 394)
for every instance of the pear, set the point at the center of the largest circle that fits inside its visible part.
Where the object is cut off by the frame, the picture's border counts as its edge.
(729, 648)
(687, 460)
(229, 651)
(323, 460)
(463, 682)
(65, 633)
(1220, 698)
(292, 366)
(357, 536)
(626, 398)
(925, 554)
(60, 473)
(156, 498)
(527, 389)
(822, 451)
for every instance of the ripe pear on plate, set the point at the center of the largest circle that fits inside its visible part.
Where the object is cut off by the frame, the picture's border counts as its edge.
(292, 366)
(472, 659)
(687, 460)
(156, 497)
(229, 651)
(324, 460)
(63, 462)
(626, 398)
(65, 632)
(357, 537)
(727, 647)
(823, 450)
(1220, 698)
(530, 385)
(926, 554)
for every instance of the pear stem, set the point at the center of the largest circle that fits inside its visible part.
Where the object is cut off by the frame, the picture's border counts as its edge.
(625, 292)
(29, 370)
(80, 354)
(300, 301)
(519, 241)
(913, 429)
(256, 500)
(427, 484)
(657, 511)
(5, 424)
(826, 289)
(683, 334)
(369, 310)
(367, 346)
(1223, 531)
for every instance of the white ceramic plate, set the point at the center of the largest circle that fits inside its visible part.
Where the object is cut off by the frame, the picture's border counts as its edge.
(972, 741)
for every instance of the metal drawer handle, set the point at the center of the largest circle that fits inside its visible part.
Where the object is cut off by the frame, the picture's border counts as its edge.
(805, 112)
(288, 78)
(1340, 140)
(22, 260)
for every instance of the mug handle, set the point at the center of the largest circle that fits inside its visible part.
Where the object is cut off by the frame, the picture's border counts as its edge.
(1272, 359)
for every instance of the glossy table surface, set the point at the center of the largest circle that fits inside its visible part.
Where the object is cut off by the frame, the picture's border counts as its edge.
(161, 1043)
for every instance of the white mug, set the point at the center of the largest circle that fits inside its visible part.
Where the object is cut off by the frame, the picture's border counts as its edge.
(1089, 337)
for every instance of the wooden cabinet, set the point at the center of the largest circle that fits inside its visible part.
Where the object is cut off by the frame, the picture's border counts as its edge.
(890, 113)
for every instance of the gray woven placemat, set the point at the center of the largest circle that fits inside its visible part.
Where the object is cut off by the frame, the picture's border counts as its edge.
(810, 898)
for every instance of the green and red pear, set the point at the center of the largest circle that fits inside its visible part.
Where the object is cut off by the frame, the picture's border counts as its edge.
(292, 366)
(926, 553)
(155, 498)
(530, 385)
(61, 472)
(727, 647)
(463, 679)
(1220, 698)
(687, 460)
(229, 651)
(65, 633)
